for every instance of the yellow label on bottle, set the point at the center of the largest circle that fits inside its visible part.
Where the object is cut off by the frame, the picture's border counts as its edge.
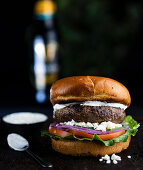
(51, 78)
(51, 51)
(45, 7)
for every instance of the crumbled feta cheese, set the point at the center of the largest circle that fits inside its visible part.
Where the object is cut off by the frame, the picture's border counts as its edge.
(69, 123)
(108, 161)
(111, 125)
(88, 124)
(118, 125)
(118, 158)
(115, 157)
(129, 156)
(104, 126)
(101, 127)
(114, 161)
(106, 157)
(95, 125)
(101, 160)
(73, 121)
(83, 124)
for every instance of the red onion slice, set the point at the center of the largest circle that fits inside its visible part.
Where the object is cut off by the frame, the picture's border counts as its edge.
(124, 123)
(91, 131)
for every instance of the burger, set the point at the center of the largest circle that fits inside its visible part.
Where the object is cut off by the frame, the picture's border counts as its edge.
(89, 116)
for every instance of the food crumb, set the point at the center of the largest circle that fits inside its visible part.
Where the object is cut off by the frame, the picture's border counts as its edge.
(113, 158)
(114, 161)
(101, 160)
(108, 161)
(129, 156)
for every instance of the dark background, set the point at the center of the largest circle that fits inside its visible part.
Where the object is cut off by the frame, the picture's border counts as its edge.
(99, 37)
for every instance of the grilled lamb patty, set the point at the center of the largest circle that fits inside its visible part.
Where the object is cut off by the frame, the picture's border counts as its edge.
(91, 114)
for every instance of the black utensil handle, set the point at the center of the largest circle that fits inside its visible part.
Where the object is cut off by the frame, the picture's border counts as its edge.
(39, 160)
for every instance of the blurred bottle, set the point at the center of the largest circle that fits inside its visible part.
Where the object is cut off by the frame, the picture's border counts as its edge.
(43, 48)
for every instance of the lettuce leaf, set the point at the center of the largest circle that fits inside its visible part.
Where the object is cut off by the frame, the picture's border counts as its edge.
(131, 122)
(133, 128)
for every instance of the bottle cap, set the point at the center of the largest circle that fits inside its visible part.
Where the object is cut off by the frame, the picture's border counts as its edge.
(46, 7)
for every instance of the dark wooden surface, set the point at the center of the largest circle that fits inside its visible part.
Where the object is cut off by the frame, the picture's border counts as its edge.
(14, 160)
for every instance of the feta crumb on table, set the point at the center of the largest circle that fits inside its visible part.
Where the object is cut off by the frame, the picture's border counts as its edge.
(108, 161)
(114, 161)
(129, 156)
(106, 157)
(114, 158)
(101, 160)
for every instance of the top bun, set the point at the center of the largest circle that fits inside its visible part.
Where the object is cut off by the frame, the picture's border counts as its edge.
(89, 88)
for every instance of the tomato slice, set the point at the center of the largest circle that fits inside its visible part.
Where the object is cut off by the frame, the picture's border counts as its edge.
(112, 135)
(63, 133)
(81, 134)
(59, 132)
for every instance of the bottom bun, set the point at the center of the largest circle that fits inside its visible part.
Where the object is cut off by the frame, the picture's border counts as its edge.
(87, 148)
